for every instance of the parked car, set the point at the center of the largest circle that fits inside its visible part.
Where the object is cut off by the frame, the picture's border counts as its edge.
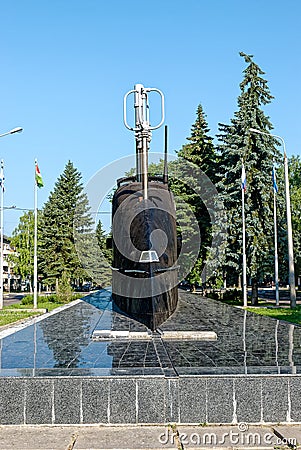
(86, 287)
(185, 285)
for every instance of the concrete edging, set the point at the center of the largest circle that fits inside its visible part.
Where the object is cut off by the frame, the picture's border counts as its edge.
(150, 400)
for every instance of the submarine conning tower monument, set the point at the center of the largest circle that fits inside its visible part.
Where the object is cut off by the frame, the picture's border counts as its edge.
(144, 272)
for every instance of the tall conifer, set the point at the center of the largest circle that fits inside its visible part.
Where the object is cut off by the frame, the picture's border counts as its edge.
(258, 152)
(199, 151)
(66, 208)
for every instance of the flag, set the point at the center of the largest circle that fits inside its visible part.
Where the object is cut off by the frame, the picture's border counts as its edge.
(274, 180)
(243, 178)
(2, 178)
(38, 177)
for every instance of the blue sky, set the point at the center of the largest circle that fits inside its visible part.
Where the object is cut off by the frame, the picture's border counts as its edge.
(66, 65)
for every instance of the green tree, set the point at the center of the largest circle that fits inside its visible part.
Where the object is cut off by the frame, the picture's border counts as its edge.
(95, 256)
(65, 213)
(102, 238)
(199, 151)
(258, 152)
(23, 241)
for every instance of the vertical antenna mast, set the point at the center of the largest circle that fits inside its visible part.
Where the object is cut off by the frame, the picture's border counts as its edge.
(165, 171)
(138, 105)
(142, 130)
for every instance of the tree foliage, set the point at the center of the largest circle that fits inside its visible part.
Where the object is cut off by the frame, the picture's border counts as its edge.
(258, 152)
(200, 152)
(65, 211)
(23, 241)
(102, 238)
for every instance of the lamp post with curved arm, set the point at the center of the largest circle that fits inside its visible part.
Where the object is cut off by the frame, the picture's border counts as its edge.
(13, 131)
(291, 277)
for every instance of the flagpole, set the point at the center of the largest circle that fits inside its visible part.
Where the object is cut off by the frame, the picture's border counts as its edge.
(244, 260)
(1, 233)
(35, 257)
(290, 243)
(276, 239)
(276, 252)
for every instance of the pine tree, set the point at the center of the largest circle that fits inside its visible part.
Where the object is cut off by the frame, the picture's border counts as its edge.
(64, 214)
(258, 152)
(200, 149)
(102, 238)
(199, 152)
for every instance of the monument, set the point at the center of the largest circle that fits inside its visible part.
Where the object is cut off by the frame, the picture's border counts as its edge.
(144, 280)
(148, 357)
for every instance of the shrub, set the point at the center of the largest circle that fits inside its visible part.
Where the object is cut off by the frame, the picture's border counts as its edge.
(27, 300)
(234, 295)
(52, 298)
(65, 292)
(214, 295)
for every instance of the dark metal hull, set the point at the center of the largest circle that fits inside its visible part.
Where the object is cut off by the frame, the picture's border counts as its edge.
(146, 291)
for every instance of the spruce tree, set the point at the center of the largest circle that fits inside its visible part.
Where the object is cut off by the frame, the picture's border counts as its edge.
(258, 152)
(64, 214)
(102, 241)
(200, 152)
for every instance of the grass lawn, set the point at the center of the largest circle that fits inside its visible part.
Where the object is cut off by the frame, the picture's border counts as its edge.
(7, 317)
(43, 303)
(234, 302)
(15, 312)
(265, 309)
(290, 315)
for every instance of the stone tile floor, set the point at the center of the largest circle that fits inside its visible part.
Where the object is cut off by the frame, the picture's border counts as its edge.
(61, 344)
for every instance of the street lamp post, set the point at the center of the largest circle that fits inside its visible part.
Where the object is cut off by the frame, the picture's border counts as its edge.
(13, 131)
(292, 285)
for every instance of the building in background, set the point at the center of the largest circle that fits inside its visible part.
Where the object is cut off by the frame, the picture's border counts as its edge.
(11, 282)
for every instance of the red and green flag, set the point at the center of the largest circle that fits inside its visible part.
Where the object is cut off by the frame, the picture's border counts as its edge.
(38, 177)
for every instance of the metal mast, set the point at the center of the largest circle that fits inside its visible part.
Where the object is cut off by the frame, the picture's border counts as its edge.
(142, 130)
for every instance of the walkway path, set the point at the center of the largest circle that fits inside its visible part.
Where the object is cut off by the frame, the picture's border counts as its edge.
(149, 437)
